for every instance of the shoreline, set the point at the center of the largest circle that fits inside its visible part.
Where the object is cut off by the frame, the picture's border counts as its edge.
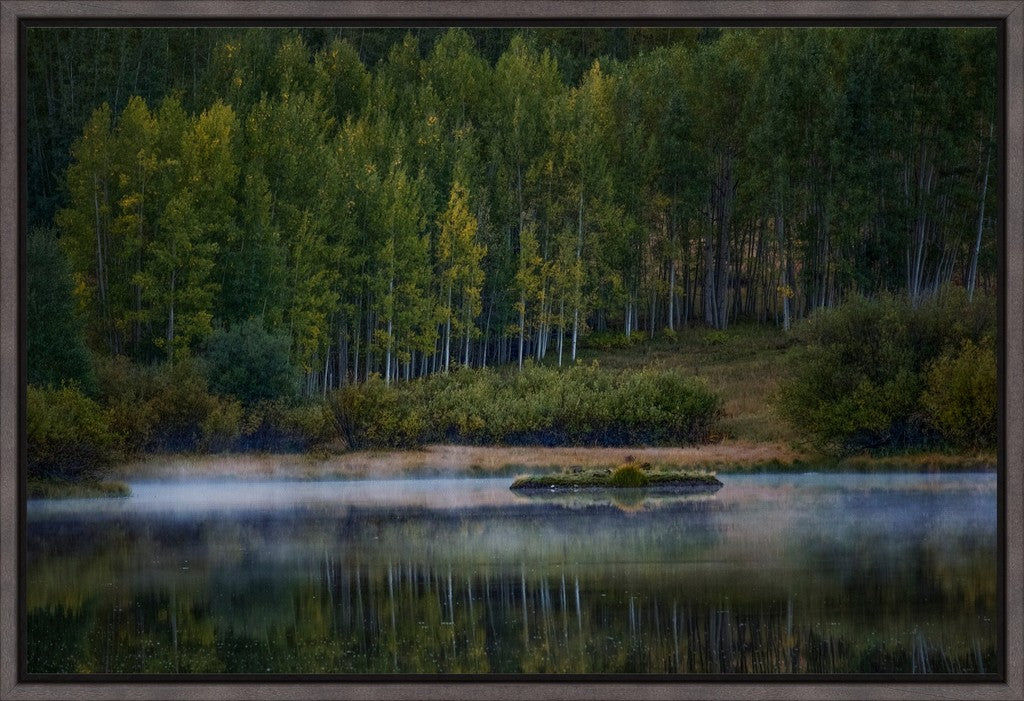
(724, 458)
(736, 457)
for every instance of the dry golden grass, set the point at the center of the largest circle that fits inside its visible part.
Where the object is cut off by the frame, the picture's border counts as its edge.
(450, 459)
(744, 366)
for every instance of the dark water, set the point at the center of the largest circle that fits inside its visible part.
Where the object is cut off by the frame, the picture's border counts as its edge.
(772, 574)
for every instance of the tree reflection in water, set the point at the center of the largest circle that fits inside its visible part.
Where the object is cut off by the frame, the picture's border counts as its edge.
(774, 579)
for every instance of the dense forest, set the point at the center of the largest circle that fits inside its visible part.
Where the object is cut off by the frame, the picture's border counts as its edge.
(399, 202)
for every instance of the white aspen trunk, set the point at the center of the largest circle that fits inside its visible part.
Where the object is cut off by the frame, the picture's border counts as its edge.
(387, 356)
(972, 275)
(576, 300)
(355, 355)
(780, 231)
(561, 329)
(672, 294)
(710, 305)
(522, 326)
(650, 318)
(448, 332)
(487, 335)
(465, 354)
(575, 331)
(327, 368)
(170, 315)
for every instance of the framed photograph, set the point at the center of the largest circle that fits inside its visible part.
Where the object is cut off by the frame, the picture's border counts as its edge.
(484, 350)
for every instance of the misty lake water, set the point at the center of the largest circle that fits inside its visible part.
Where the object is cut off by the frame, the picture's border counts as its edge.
(814, 573)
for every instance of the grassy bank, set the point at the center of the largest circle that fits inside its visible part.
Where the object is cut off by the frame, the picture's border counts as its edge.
(727, 457)
(743, 366)
(449, 460)
(64, 489)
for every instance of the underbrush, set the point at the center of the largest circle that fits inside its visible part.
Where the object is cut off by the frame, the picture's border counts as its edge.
(582, 405)
(886, 376)
(170, 409)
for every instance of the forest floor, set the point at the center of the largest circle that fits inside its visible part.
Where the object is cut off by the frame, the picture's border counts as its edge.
(744, 366)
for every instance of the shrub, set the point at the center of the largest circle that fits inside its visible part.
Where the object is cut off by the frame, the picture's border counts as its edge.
(69, 436)
(961, 395)
(221, 428)
(249, 363)
(156, 408)
(279, 426)
(582, 405)
(374, 414)
(858, 380)
(628, 475)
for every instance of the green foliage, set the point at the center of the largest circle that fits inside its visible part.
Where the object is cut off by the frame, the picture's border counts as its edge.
(222, 426)
(279, 426)
(156, 408)
(56, 345)
(961, 394)
(628, 476)
(68, 434)
(579, 406)
(249, 363)
(169, 408)
(858, 382)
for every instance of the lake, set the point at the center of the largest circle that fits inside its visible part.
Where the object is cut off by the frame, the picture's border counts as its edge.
(795, 573)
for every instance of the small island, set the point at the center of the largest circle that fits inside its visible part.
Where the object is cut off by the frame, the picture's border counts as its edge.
(629, 475)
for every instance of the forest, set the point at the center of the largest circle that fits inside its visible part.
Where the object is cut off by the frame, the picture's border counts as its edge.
(330, 206)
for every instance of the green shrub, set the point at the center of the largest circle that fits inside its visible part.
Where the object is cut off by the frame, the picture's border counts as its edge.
(961, 396)
(159, 407)
(628, 475)
(313, 424)
(249, 363)
(283, 427)
(857, 382)
(222, 427)
(582, 405)
(69, 436)
(374, 414)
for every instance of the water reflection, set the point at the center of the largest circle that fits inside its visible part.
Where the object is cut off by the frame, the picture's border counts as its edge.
(769, 575)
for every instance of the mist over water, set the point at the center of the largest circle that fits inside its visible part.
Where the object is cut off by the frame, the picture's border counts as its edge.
(772, 574)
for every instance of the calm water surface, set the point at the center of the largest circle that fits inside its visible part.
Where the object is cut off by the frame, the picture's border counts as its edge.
(771, 574)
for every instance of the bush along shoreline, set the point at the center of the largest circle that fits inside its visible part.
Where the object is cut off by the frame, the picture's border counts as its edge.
(170, 409)
(872, 380)
(889, 375)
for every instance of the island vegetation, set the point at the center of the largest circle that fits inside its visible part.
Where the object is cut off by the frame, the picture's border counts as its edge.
(330, 240)
(628, 475)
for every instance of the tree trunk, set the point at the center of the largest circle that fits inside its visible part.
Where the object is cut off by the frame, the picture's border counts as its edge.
(972, 275)
(391, 314)
(576, 300)
(561, 329)
(672, 294)
(448, 331)
(170, 318)
(522, 326)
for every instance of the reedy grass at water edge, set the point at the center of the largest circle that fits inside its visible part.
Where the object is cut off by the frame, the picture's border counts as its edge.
(63, 489)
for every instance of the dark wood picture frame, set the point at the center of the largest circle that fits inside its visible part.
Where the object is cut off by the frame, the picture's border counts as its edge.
(1008, 15)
